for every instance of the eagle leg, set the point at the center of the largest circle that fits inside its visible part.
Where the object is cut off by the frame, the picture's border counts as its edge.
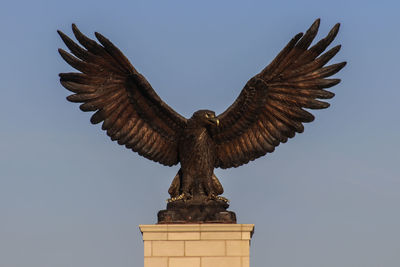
(215, 189)
(175, 190)
(217, 186)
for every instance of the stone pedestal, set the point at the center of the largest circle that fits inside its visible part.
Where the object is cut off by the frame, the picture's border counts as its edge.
(197, 245)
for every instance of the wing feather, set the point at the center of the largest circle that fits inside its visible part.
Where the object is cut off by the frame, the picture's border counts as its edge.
(120, 122)
(74, 48)
(117, 113)
(135, 134)
(322, 94)
(77, 87)
(101, 101)
(122, 136)
(299, 101)
(144, 138)
(270, 108)
(80, 65)
(294, 125)
(263, 129)
(114, 52)
(295, 113)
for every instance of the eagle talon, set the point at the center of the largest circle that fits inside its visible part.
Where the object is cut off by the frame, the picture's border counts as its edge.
(215, 197)
(222, 199)
(182, 196)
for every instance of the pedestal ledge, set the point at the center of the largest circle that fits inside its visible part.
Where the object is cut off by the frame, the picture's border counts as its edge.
(197, 245)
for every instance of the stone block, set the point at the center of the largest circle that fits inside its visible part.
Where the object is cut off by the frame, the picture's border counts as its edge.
(184, 262)
(183, 227)
(246, 235)
(220, 227)
(221, 235)
(205, 248)
(245, 261)
(168, 248)
(221, 262)
(155, 262)
(184, 236)
(153, 228)
(237, 248)
(155, 236)
(147, 248)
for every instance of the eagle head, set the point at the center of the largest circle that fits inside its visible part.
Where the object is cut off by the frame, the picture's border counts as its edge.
(204, 118)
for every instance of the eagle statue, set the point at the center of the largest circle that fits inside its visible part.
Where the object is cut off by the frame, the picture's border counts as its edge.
(270, 109)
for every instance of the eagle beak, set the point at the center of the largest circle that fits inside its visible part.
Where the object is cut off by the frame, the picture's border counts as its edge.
(214, 120)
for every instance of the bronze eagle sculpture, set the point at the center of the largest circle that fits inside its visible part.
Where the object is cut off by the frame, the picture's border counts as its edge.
(269, 110)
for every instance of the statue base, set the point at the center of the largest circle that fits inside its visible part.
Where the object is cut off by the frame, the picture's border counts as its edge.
(196, 211)
(197, 245)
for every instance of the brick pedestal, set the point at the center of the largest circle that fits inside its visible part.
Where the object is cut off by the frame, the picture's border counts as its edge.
(197, 245)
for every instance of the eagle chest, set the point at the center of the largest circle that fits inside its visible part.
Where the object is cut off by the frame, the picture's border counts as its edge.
(197, 150)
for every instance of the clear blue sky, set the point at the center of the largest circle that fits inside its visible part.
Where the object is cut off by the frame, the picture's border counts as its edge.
(71, 197)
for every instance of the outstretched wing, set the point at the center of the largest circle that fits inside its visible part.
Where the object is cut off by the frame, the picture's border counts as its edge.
(270, 108)
(131, 111)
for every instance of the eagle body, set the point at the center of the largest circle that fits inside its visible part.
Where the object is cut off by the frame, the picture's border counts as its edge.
(197, 158)
(271, 108)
